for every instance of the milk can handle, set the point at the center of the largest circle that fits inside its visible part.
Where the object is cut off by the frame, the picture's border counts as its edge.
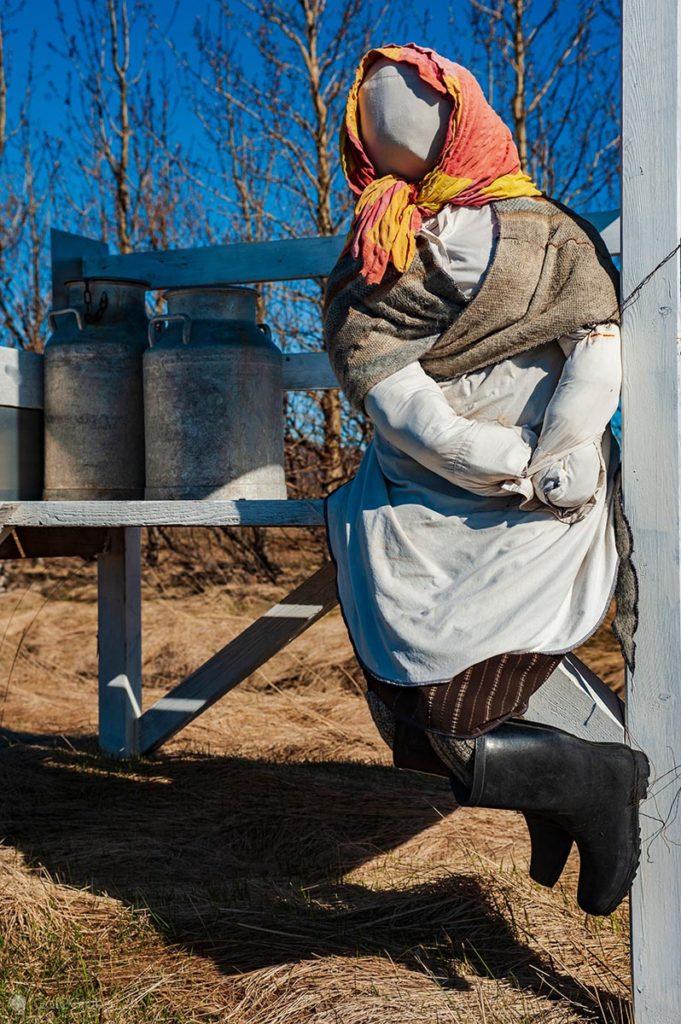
(266, 330)
(169, 318)
(54, 313)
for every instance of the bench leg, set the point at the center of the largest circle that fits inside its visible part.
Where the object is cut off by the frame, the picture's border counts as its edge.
(120, 643)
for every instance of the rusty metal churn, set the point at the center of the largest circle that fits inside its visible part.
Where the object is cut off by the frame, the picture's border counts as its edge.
(94, 412)
(213, 399)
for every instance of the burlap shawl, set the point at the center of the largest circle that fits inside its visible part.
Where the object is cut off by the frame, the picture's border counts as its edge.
(550, 274)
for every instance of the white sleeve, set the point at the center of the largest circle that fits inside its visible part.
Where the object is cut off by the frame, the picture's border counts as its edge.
(586, 396)
(567, 466)
(410, 411)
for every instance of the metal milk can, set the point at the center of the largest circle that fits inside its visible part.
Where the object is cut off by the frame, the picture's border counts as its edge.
(94, 413)
(21, 426)
(213, 399)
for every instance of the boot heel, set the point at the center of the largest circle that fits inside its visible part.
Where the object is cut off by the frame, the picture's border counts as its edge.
(551, 847)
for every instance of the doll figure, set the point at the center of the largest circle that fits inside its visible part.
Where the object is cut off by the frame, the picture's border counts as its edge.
(475, 321)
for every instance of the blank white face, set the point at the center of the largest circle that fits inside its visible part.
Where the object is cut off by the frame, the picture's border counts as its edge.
(403, 120)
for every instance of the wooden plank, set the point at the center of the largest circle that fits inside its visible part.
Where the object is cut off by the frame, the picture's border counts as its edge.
(68, 251)
(573, 698)
(285, 259)
(308, 371)
(239, 263)
(41, 542)
(240, 658)
(651, 229)
(120, 644)
(21, 378)
(163, 513)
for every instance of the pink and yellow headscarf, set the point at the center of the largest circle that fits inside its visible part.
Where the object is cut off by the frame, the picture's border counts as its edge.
(478, 164)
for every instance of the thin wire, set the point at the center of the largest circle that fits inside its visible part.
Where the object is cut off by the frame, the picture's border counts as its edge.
(635, 292)
(633, 295)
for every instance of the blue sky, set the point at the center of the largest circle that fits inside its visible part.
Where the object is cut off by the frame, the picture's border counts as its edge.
(436, 27)
(39, 17)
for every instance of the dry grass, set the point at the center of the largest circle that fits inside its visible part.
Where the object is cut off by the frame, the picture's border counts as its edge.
(269, 867)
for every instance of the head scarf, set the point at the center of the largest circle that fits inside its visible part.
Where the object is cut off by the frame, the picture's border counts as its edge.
(478, 164)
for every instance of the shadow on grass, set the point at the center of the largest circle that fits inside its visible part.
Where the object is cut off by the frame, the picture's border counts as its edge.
(243, 861)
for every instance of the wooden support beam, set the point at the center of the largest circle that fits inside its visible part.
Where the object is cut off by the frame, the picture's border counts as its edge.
(163, 513)
(285, 259)
(21, 378)
(120, 644)
(240, 658)
(607, 222)
(573, 698)
(308, 371)
(651, 399)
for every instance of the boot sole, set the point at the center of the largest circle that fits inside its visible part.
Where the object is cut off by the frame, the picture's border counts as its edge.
(640, 791)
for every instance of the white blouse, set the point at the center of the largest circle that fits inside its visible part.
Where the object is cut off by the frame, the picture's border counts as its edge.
(461, 241)
(480, 520)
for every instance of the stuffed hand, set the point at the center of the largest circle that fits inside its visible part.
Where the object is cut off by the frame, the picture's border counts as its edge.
(571, 481)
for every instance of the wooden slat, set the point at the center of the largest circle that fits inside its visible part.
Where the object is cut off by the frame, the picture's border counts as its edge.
(21, 378)
(163, 513)
(240, 263)
(573, 698)
(651, 398)
(120, 644)
(240, 658)
(608, 224)
(308, 371)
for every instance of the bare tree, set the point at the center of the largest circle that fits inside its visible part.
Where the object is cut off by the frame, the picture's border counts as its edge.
(128, 178)
(27, 179)
(274, 124)
(553, 69)
(24, 278)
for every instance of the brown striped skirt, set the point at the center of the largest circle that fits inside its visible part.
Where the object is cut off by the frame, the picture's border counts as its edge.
(472, 702)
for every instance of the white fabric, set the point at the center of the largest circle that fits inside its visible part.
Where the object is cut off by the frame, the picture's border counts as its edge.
(456, 541)
(403, 120)
(567, 466)
(461, 240)
(410, 411)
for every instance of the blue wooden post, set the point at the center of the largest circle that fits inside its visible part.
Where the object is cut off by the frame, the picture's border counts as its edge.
(120, 643)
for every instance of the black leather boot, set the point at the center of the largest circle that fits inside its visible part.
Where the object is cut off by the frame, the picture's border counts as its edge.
(568, 789)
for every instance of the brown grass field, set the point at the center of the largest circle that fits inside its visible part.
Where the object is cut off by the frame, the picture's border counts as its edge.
(269, 866)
